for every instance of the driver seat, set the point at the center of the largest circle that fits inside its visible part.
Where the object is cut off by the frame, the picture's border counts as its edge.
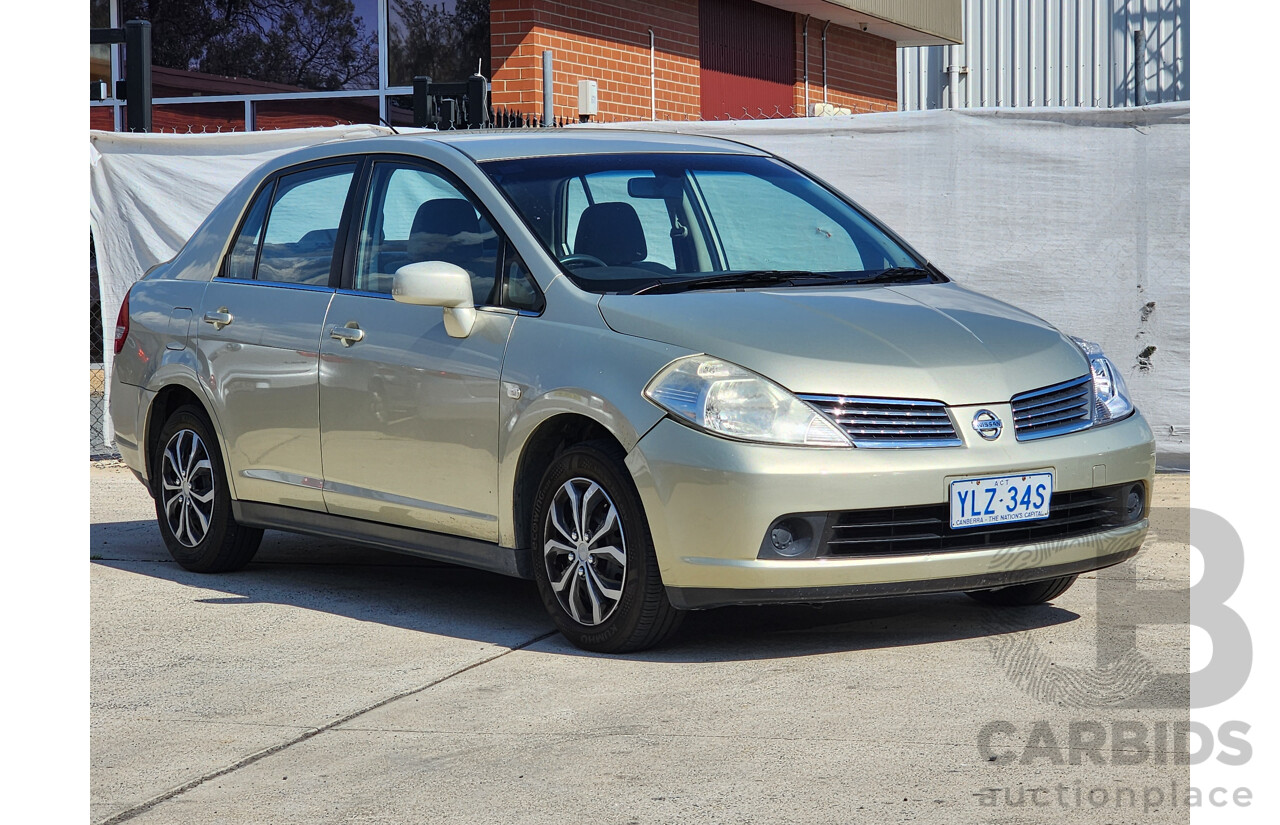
(612, 233)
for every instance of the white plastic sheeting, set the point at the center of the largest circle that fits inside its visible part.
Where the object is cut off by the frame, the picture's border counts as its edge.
(1081, 216)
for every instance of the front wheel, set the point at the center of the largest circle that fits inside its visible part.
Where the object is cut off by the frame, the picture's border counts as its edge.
(1021, 595)
(193, 504)
(594, 563)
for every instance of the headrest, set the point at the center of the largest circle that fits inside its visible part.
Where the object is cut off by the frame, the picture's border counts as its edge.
(437, 224)
(612, 233)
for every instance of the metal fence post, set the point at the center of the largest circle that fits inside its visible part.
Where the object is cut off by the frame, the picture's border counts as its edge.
(423, 108)
(137, 49)
(477, 102)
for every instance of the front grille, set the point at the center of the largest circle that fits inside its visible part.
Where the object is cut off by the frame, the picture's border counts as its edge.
(927, 529)
(889, 422)
(1056, 410)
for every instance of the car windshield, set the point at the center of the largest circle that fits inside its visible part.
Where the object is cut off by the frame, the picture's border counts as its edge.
(626, 223)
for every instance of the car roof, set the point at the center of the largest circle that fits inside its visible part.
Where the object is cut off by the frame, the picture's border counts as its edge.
(526, 143)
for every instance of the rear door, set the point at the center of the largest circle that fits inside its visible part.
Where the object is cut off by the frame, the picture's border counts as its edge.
(259, 333)
(408, 414)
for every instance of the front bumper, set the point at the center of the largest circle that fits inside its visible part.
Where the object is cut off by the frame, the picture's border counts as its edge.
(710, 501)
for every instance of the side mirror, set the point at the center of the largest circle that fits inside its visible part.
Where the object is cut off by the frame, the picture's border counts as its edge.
(438, 284)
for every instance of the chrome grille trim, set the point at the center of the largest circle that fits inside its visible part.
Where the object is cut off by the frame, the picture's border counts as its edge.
(889, 423)
(1054, 410)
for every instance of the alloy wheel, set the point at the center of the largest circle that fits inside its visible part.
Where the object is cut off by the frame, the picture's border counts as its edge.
(187, 487)
(585, 551)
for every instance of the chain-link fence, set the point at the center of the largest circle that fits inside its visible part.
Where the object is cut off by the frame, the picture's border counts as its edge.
(98, 446)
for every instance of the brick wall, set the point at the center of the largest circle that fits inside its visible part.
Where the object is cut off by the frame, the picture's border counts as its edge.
(862, 68)
(597, 40)
(609, 42)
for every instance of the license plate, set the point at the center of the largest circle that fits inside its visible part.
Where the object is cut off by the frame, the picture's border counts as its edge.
(1000, 499)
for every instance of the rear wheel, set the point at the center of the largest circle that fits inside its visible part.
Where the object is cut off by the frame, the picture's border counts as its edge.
(1020, 595)
(193, 504)
(594, 561)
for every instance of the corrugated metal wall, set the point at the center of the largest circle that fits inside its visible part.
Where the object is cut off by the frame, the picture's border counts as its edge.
(1052, 53)
(748, 58)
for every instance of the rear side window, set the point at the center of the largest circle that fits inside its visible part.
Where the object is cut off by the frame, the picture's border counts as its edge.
(302, 225)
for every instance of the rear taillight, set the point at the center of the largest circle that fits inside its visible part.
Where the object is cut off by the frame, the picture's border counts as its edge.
(122, 324)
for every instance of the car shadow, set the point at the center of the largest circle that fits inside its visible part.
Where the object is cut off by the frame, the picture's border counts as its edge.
(370, 585)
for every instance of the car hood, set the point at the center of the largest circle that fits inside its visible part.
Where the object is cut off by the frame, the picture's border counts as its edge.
(928, 341)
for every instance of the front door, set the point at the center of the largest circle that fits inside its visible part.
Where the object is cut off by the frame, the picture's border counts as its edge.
(408, 414)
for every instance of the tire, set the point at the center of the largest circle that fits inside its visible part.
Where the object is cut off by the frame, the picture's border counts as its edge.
(1021, 595)
(193, 501)
(600, 584)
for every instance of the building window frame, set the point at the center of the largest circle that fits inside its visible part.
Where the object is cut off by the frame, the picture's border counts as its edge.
(384, 92)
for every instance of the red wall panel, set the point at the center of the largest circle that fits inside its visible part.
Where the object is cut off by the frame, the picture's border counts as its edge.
(748, 55)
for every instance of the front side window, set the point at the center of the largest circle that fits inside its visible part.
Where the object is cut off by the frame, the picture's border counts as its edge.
(302, 225)
(414, 215)
(631, 222)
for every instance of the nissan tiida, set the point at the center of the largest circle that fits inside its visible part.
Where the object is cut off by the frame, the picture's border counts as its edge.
(652, 373)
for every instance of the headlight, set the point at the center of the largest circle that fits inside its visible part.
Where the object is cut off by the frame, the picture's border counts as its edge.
(730, 401)
(1111, 396)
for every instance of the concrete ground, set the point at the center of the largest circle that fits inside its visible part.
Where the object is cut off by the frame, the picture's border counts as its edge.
(332, 684)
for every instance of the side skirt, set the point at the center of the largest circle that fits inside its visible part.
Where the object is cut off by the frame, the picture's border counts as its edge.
(436, 546)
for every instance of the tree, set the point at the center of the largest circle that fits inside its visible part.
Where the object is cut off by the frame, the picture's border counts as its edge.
(428, 38)
(313, 44)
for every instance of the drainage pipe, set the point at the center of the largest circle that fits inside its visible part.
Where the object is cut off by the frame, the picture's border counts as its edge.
(806, 63)
(824, 61)
(548, 90)
(953, 84)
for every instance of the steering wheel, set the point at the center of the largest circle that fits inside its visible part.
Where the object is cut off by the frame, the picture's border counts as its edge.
(582, 259)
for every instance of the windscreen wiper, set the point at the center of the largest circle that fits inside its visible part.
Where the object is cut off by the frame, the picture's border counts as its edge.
(897, 275)
(760, 277)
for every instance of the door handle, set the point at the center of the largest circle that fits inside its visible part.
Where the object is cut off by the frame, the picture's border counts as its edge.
(348, 335)
(219, 319)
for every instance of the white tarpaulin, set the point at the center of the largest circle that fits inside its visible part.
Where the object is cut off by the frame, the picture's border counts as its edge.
(148, 193)
(1081, 216)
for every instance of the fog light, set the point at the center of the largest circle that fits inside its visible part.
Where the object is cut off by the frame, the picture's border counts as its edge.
(1134, 502)
(793, 536)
